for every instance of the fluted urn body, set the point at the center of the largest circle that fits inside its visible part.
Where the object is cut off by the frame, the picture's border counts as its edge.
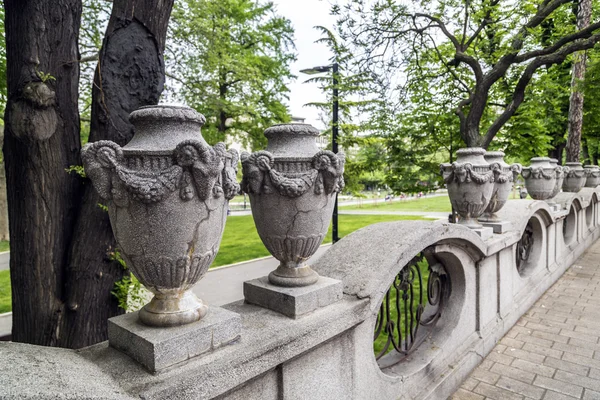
(540, 178)
(560, 177)
(167, 193)
(575, 178)
(292, 187)
(504, 176)
(470, 183)
(592, 173)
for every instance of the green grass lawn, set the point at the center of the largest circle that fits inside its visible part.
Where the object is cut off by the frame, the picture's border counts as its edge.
(241, 241)
(437, 203)
(4, 246)
(404, 317)
(5, 300)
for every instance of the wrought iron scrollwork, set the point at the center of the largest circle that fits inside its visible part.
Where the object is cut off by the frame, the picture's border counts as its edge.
(524, 246)
(410, 308)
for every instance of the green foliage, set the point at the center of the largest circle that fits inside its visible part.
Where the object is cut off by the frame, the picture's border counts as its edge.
(77, 169)
(128, 291)
(103, 207)
(45, 77)
(354, 98)
(473, 58)
(5, 292)
(230, 60)
(3, 87)
(94, 19)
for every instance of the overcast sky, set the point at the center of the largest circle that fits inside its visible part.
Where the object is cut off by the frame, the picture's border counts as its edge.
(306, 14)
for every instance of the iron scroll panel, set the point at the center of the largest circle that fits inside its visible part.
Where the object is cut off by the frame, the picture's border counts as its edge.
(524, 246)
(410, 309)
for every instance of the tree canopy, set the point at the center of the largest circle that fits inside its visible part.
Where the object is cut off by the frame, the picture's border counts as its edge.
(230, 60)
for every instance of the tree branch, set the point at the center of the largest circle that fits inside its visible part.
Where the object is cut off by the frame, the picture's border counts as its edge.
(519, 92)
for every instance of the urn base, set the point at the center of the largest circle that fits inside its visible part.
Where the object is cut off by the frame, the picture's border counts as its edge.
(470, 222)
(173, 309)
(293, 277)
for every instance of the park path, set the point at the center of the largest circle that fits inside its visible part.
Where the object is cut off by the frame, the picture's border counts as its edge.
(553, 352)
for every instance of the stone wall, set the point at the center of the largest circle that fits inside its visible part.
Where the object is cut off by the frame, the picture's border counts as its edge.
(328, 354)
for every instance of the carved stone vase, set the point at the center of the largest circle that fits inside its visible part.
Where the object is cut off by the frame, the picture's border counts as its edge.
(560, 177)
(504, 176)
(292, 187)
(470, 183)
(540, 178)
(592, 173)
(167, 193)
(575, 178)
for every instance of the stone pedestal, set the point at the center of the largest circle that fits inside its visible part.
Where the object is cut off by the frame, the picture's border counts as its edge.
(293, 302)
(159, 348)
(485, 233)
(498, 226)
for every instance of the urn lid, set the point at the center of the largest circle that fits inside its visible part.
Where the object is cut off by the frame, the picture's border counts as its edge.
(160, 128)
(574, 165)
(495, 157)
(292, 140)
(473, 155)
(541, 162)
(554, 162)
(594, 167)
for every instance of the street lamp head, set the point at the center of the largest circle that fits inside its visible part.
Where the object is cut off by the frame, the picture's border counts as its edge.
(317, 70)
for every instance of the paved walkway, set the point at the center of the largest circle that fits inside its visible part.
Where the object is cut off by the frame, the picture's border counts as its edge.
(553, 352)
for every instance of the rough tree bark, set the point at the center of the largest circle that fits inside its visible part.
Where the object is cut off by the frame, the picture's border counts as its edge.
(578, 74)
(60, 272)
(41, 140)
(130, 74)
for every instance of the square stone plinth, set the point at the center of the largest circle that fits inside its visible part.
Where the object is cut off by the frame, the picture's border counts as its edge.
(293, 302)
(485, 233)
(158, 348)
(498, 226)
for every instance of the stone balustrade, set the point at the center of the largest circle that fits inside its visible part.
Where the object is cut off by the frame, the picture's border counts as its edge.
(328, 353)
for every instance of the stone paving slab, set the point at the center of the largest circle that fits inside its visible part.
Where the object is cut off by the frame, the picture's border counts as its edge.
(553, 352)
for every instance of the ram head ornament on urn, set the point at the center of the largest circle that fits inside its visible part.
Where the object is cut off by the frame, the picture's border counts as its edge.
(292, 187)
(167, 193)
(470, 183)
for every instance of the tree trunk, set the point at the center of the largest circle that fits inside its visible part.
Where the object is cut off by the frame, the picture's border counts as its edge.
(130, 74)
(3, 199)
(576, 102)
(41, 140)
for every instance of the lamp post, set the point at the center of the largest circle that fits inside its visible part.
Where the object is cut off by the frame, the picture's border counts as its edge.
(334, 130)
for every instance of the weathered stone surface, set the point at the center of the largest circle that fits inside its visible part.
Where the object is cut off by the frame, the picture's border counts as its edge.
(575, 177)
(498, 227)
(470, 183)
(44, 373)
(504, 176)
(167, 193)
(292, 187)
(293, 302)
(329, 354)
(159, 348)
(540, 178)
(484, 233)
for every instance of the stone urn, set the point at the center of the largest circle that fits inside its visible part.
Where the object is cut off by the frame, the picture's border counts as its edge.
(592, 173)
(540, 178)
(292, 187)
(560, 177)
(470, 183)
(575, 178)
(167, 193)
(504, 176)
